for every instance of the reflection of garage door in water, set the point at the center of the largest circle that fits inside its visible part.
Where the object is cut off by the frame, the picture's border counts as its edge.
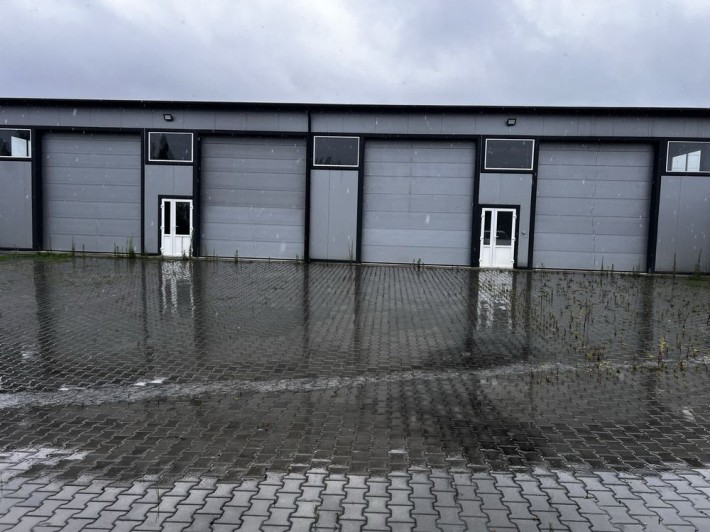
(592, 208)
(92, 192)
(253, 197)
(417, 202)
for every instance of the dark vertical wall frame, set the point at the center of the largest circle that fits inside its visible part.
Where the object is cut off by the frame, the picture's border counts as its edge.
(659, 166)
(144, 136)
(476, 216)
(196, 194)
(37, 211)
(360, 189)
(533, 203)
(307, 221)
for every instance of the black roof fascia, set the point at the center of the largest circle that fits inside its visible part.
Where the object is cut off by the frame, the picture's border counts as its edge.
(359, 108)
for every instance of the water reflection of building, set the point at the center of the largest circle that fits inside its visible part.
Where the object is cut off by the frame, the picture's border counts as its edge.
(176, 287)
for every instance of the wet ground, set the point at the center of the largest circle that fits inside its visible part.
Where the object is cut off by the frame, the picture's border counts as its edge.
(349, 396)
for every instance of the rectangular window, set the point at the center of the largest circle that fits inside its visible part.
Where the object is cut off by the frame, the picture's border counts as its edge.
(336, 151)
(509, 154)
(170, 146)
(15, 143)
(688, 156)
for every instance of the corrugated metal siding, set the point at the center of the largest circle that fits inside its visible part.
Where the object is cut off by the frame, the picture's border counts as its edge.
(92, 192)
(253, 197)
(592, 206)
(417, 202)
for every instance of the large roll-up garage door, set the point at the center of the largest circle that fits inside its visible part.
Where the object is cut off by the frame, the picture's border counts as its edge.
(92, 192)
(253, 197)
(592, 206)
(417, 202)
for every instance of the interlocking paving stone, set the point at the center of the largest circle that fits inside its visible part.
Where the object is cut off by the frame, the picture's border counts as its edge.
(232, 515)
(74, 525)
(42, 528)
(184, 514)
(376, 521)
(14, 515)
(27, 524)
(213, 505)
(59, 517)
(106, 520)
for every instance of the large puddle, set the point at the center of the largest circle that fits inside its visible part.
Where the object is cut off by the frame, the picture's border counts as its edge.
(182, 367)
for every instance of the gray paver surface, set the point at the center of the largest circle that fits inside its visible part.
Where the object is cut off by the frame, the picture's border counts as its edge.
(176, 395)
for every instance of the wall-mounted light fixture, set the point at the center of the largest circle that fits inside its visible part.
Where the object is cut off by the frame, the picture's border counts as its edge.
(511, 122)
(168, 117)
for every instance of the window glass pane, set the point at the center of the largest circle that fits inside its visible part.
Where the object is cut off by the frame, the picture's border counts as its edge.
(336, 151)
(509, 154)
(15, 143)
(170, 146)
(487, 228)
(182, 218)
(504, 228)
(167, 228)
(688, 157)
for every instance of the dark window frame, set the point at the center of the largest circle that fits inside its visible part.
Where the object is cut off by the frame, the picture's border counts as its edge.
(151, 160)
(29, 144)
(669, 159)
(487, 168)
(331, 165)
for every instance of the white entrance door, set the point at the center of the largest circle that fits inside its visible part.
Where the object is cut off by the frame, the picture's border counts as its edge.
(498, 238)
(176, 227)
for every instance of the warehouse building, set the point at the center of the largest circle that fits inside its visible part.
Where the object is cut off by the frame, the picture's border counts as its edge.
(502, 187)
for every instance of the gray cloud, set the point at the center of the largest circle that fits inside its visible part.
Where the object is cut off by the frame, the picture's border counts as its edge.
(505, 52)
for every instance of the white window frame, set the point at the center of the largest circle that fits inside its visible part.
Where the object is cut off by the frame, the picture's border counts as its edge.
(357, 165)
(29, 144)
(514, 169)
(669, 160)
(172, 161)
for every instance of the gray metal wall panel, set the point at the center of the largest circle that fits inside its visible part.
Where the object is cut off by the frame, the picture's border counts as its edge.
(429, 217)
(408, 255)
(573, 260)
(558, 223)
(333, 214)
(684, 224)
(16, 204)
(592, 205)
(458, 124)
(91, 192)
(162, 180)
(199, 120)
(100, 116)
(253, 197)
(510, 189)
(495, 124)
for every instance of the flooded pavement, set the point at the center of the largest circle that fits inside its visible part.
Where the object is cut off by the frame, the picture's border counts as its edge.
(320, 395)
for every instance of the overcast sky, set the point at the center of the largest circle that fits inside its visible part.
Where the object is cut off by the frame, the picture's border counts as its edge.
(475, 52)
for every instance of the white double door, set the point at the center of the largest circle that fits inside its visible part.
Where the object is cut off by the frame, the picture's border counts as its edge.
(497, 238)
(176, 227)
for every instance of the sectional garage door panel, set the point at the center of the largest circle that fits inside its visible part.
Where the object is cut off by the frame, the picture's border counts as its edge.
(592, 206)
(92, 192)
(253, 199)
(417, 202)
